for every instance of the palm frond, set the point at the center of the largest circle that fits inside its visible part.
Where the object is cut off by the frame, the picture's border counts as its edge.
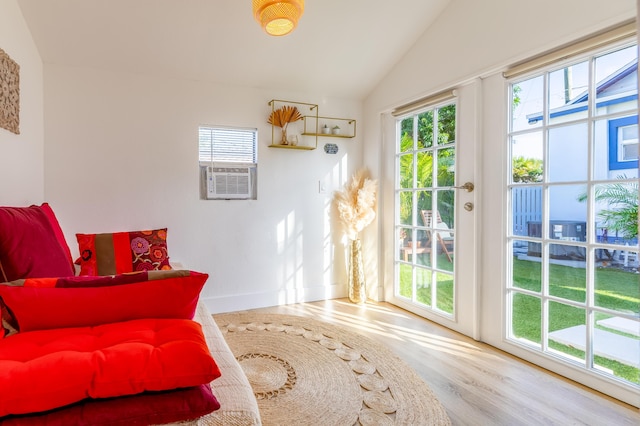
(284, 115)
(622, 200)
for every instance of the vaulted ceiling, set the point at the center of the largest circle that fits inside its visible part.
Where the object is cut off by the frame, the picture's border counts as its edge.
(341, 48)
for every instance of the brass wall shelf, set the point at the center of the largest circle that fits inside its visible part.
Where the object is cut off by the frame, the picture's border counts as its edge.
(302, 147)
(304, 108)
(347, 126)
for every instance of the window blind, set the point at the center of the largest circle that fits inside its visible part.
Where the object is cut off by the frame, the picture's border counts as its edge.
(223, 144)
(616, 34)
(424, 103)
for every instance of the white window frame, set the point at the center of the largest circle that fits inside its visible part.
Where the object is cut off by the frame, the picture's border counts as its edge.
(623, 143)
(584, 371)
(231, 150)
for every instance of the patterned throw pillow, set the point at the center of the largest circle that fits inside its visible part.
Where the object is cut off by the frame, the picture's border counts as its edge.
(121, 252)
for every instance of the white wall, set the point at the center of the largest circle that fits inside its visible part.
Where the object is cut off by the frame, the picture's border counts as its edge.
(21, 156)
(472, 38)
(122, 154)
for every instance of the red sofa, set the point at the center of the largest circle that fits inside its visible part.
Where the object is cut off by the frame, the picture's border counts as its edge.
(99, 350)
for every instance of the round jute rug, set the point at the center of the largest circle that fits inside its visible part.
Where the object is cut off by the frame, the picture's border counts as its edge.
(307, 372)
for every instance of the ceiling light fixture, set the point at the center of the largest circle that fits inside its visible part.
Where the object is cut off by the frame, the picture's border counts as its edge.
(278, 18)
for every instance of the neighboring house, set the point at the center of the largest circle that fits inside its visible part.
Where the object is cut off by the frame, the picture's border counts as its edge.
(615, 154)
(616, 92)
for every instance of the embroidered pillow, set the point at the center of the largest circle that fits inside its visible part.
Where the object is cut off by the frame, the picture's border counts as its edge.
(122, 252)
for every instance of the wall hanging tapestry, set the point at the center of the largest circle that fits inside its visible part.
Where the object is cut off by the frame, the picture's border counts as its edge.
(9, 93)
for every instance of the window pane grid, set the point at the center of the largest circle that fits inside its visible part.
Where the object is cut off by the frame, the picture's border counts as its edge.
(425, 161)
(573, 264)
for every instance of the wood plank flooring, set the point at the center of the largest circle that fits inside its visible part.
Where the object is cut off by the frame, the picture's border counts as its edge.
(477, 384)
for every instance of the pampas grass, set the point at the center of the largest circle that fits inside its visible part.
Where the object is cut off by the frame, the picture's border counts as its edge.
(356, 204)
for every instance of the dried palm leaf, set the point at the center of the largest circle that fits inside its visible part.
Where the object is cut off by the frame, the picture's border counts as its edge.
(275, 118)
(291, 114)
(285, 115)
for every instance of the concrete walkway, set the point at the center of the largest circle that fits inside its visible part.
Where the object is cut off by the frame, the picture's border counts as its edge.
(623, 349)
(622, 324)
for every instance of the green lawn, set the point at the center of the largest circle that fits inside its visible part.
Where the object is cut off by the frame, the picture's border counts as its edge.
(614, 289)
(444, 287)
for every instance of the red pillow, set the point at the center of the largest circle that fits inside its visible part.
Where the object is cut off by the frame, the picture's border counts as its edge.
(46, 303)
(136, 410)
(121, 252)
(32, 244)
(57, 230)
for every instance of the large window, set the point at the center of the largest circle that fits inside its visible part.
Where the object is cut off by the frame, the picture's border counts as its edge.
(572, 288)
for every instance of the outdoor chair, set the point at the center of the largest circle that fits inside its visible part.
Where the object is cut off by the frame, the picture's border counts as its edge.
(444, 236)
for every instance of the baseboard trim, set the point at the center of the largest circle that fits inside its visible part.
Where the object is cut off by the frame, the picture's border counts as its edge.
(242, 302)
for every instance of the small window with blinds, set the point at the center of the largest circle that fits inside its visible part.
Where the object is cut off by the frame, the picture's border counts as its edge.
(227, 159)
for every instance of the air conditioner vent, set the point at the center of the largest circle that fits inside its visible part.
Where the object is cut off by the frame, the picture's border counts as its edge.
(228, 182)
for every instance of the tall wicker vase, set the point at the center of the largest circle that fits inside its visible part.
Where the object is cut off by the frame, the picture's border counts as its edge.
(357, 287)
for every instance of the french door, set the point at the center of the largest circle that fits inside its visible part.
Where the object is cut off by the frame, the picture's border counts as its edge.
(573, 289)
(560, 167)
(434, 256)
(550, 231)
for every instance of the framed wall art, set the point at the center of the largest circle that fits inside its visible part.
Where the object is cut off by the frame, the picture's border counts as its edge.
(9, 93)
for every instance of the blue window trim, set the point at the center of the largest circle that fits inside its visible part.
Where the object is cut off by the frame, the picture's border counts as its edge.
(581, 107)
(614, 125)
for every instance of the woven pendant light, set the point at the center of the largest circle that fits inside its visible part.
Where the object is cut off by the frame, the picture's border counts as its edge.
(278, 18)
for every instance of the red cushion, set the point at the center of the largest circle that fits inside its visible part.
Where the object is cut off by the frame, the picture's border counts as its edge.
(3, 332)
(36, 305)
(32, 244)
(121, 252)
(135, 410)
(42, 370)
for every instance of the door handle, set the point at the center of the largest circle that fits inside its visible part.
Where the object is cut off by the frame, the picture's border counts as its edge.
(468, 186)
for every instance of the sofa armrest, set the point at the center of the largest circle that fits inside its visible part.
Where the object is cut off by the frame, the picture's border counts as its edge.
(238, 405)
(177, 264)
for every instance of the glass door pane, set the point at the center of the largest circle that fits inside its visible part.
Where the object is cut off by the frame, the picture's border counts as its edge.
(425, 209)
(573, 204)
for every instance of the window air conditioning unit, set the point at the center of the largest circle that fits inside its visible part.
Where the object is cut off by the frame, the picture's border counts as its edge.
(228, 182)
